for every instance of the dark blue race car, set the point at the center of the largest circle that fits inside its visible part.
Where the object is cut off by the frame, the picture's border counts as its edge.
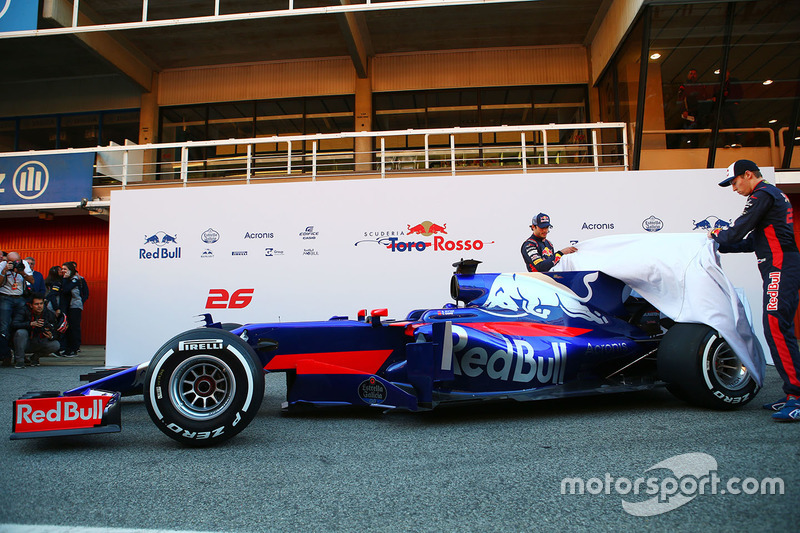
(523, 336)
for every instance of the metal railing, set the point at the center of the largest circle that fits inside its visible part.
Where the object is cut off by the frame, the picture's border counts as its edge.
(81, 24)
(380, 154)
(699, 138)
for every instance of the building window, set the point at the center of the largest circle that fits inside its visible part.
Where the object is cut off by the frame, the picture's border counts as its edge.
(262, 118)
(721, 82)
(495, 106)
(76, 130)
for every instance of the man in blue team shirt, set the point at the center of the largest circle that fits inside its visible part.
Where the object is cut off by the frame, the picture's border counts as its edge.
(766, 228)
(537, 251)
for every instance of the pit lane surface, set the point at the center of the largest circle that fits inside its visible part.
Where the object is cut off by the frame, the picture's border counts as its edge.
(489, 467)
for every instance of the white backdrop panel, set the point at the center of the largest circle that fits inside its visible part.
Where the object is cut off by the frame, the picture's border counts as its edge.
(314, 250)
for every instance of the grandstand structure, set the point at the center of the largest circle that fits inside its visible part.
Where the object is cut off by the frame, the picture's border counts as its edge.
(205, 92)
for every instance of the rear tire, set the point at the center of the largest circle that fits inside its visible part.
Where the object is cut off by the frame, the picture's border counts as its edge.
(203, 386)
(700, 367)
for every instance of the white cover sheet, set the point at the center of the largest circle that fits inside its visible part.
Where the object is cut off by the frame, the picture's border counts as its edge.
(680, 274)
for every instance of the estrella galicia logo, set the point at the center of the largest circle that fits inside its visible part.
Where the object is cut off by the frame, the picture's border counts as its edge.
(309, 233)
(30, 180)
(166, 246)
(372, 391)
(210, 236)
(652, 223)
(706, 225)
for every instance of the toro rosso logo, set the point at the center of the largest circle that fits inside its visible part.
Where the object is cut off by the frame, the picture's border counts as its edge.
(166, 246)
(412, 239)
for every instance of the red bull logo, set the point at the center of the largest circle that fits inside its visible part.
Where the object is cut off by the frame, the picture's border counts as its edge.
(517, 362)
(706, 224)
(166, 246)
(773, 290)
(48, 414)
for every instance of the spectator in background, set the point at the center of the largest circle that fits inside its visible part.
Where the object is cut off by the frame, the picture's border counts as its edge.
(14, 274)
(38, 279)
(36, 330)
(692, 99)
(52, 292)
(52, 298)
(72, 307)
(731, 95)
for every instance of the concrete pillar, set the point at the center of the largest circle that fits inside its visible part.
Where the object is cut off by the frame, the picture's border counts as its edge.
(363, 146)
(148, 127)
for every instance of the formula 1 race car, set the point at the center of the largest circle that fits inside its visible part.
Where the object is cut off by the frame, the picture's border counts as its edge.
(524, 336)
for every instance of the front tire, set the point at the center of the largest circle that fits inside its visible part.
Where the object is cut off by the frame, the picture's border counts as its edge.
(203, 386)
(700, 367)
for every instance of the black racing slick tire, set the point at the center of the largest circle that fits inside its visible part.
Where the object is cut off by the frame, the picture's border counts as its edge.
(700, 368)
(203, 386)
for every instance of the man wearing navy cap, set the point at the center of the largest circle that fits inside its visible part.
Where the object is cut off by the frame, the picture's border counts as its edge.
(765, 227)
(537, 251)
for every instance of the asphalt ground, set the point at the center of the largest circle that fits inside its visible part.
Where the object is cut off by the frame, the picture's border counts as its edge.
(487, 467)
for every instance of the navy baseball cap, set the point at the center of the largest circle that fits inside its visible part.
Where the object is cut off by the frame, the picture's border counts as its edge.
(541, 220)
(737, 169)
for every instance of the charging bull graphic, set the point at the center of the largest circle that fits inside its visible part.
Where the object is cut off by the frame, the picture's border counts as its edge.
(705, 224)
(426, 228)
(166, 246)
(540, 295)
(161, 238)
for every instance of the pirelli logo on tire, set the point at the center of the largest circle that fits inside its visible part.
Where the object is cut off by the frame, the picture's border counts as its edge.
(201, 344)
(204, 386)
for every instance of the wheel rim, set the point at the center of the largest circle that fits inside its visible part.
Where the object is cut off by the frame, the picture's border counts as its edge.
(202, 387)
(727, 368)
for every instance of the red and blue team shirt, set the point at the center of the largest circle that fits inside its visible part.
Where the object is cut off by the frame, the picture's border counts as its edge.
(539, 255)
(764, 227)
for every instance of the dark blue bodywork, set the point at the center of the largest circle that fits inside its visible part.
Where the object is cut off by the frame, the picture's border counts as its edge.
(519, 336)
